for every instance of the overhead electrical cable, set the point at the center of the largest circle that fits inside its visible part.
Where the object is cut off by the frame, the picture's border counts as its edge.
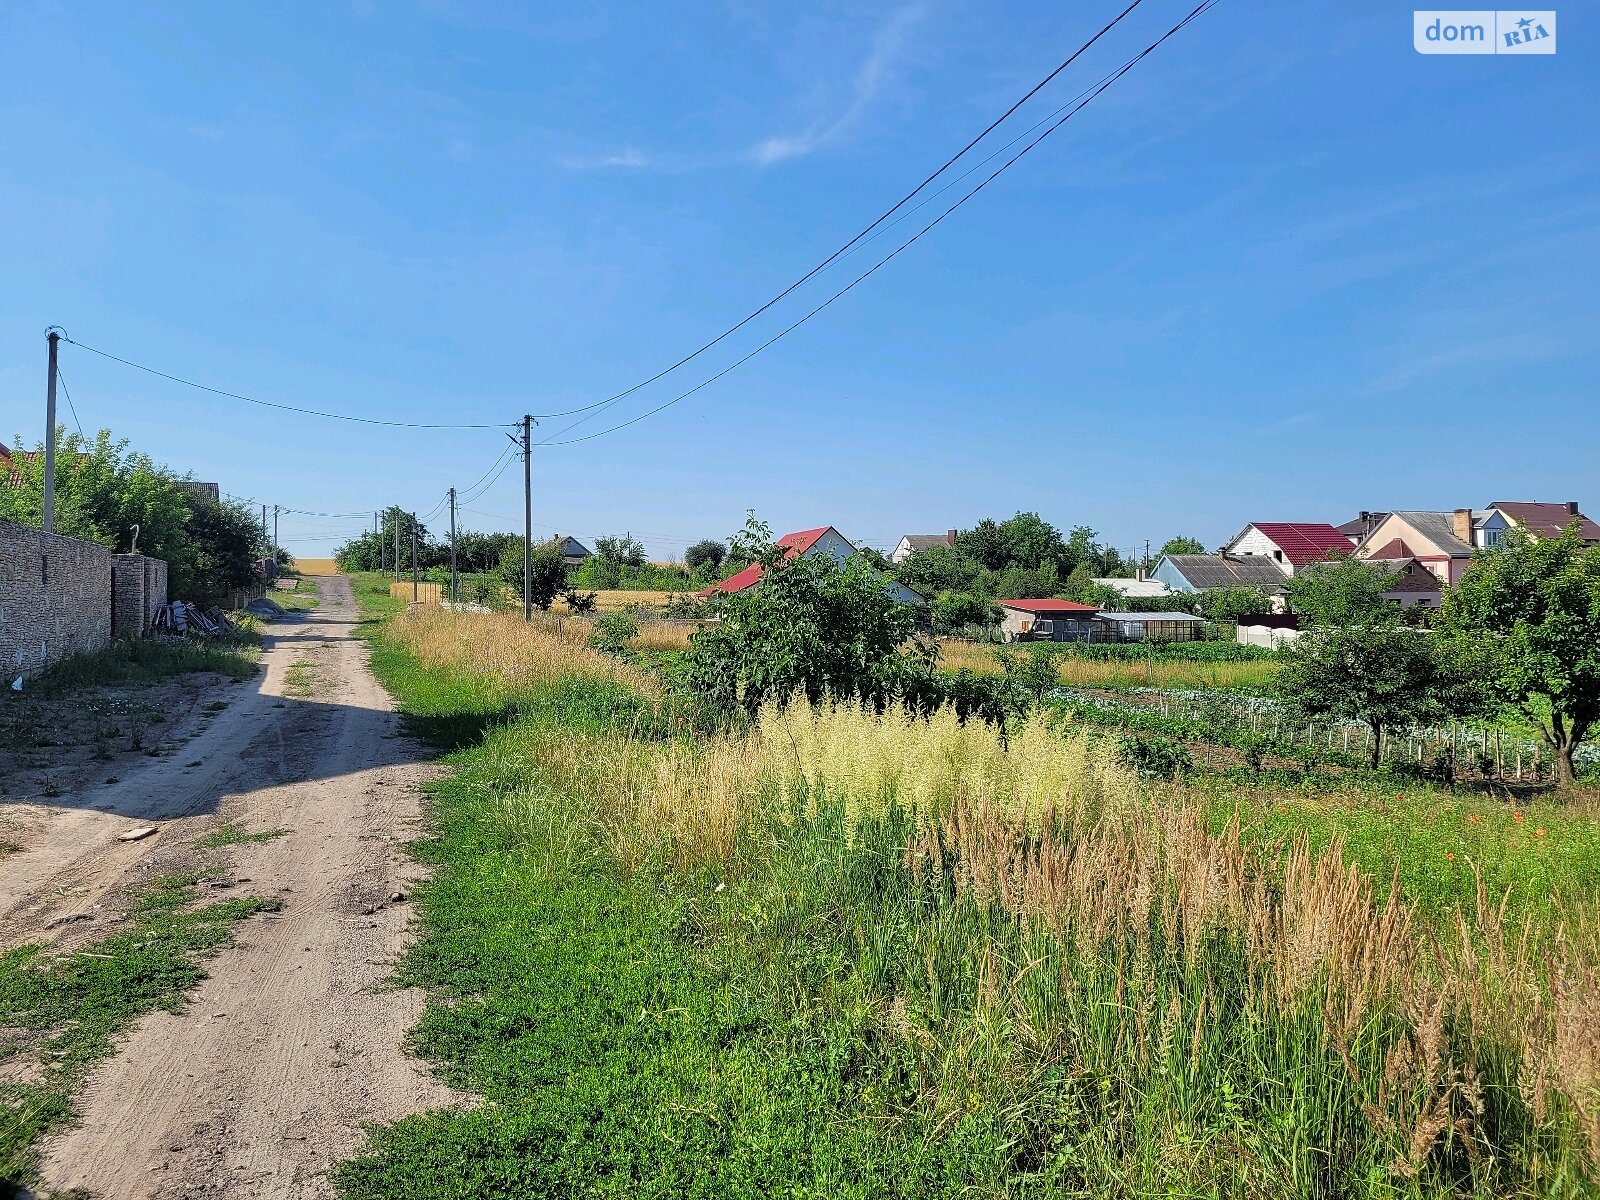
(945, 166)
(309, 412)
(73, 408)
(1094, 92)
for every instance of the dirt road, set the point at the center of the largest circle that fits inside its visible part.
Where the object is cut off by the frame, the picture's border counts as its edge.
(291, 1043)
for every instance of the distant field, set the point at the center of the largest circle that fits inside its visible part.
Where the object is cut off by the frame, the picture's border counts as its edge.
(316, 566)
(611, 601)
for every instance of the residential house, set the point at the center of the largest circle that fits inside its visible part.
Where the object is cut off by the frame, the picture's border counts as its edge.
(1141, 587)
(1049, 621)
(573, 552)
(1538, 520)
(805, 544)
(912, 542)
(1153, 626)
(1443, 542)
(1289, 544)
(1204, 572)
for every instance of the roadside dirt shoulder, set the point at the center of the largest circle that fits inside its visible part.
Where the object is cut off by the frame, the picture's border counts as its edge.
(293, 1042)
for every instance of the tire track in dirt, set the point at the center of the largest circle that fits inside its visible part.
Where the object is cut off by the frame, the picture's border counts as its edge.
(293, 1042)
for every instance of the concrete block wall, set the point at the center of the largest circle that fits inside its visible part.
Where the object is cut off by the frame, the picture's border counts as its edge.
(55, 599)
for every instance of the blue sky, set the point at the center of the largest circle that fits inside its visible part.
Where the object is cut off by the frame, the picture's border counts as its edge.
(1286, 269)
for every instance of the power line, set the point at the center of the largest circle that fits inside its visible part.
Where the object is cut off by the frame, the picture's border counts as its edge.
(487, 481)
(1094, 92)
(310, 412)
(73, 408)
(945, 166)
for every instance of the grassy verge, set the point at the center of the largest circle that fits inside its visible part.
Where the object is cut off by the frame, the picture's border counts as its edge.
(861, 956)
(149, 660)
(60, 1014)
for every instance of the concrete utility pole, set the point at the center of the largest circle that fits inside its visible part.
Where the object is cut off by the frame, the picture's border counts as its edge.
(454, 597)
(413, 558)
(527, 518)
(274, 536)
(397, 544)
(49, 523)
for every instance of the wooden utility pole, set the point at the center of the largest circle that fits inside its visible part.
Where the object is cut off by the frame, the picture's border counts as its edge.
(527, 518)
(454, 598)
(49, 523)
(413, 558)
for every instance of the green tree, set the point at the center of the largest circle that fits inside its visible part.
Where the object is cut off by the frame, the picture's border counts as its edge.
(810, 627)
(954, 610)
(751, 544)
(548, 570)
(1232, 603)
(1348, 591)
(938, 569)
(705, 554)
(1528, 613)
(619, 552)
(1357, 661)
(1182, 545)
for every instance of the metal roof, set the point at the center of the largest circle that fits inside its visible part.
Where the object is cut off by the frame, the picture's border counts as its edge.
(1135, 587)
(1304, 541)
(1048, 606)
(1438, 528)
(1206, 571)
(1548, 520)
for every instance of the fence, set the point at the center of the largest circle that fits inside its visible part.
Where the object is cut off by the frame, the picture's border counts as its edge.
(425, 593)
(1493, 752)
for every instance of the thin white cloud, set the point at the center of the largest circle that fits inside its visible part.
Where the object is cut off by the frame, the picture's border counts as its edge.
(627, 158)
(887, 48)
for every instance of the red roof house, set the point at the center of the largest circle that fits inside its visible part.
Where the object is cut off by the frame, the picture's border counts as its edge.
(804, 544)
(1289, 544)
(1542, 520)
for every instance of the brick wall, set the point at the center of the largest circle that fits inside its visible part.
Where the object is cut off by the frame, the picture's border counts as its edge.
(55, 599)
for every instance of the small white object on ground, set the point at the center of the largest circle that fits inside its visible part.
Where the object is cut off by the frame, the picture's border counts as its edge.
(137, 834)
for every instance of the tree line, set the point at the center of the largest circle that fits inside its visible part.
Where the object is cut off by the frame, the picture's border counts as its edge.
(117, 497)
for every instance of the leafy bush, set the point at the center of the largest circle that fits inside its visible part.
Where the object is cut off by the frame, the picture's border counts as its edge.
(614, 631)
(1155, 757)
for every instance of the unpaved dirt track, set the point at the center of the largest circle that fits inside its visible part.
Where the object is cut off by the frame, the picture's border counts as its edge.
(292, 1043)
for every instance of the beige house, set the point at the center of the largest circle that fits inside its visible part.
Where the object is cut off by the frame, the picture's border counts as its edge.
(1443, 542)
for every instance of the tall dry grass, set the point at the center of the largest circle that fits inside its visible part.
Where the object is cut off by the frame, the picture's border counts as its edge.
(514, 653)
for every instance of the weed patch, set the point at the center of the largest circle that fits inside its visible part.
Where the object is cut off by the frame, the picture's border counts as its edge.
(61, 1013)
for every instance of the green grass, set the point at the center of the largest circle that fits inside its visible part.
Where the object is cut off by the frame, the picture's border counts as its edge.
(304, 597)
(231, 834)
(813, 1022)
(149, 660)
(65, 1012)
(1434, 842)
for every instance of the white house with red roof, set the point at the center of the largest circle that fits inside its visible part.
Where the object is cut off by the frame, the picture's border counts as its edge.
(807, 543)
(1288, 545)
